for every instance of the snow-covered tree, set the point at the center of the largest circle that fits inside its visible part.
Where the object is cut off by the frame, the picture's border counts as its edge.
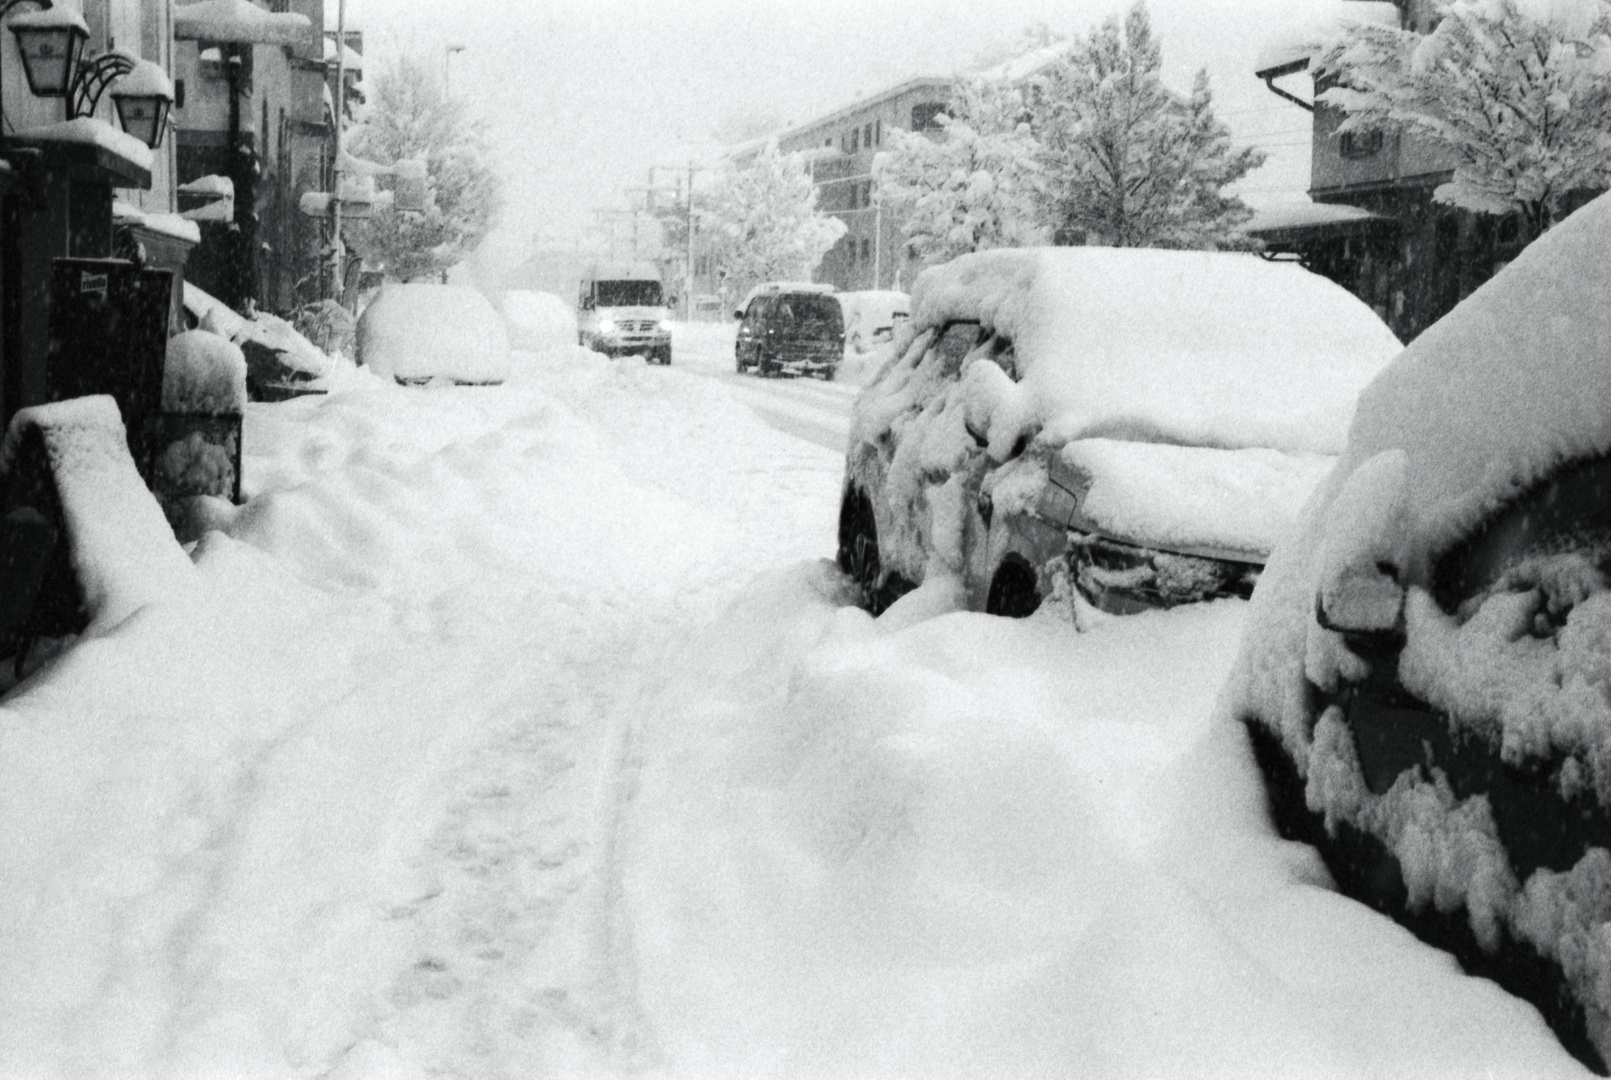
(764, 219)
(410, 116)
(977, 185)
(1517, 93)
(1129, 162)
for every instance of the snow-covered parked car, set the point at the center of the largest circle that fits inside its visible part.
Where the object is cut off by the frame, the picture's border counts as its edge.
(1138, 425)
(1426, 670)
(280, 362)
(872, 315)
(422, 332)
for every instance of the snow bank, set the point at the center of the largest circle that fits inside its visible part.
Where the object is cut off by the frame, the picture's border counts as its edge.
(538, 321)
(1199, 348)
(426, 331)
(123, 552)
(971, 846)
(205, 374)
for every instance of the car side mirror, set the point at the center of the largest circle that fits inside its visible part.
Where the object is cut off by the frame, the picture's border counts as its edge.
(1361, 601)
(738, 313)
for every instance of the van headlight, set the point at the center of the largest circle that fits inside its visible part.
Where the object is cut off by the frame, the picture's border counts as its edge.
(606, 327)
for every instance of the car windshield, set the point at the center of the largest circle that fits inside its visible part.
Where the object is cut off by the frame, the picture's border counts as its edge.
(1566, 515)
(809, 310)
(629, 293)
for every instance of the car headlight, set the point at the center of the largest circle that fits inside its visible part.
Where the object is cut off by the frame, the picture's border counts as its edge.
(606, 326)
(664, 326)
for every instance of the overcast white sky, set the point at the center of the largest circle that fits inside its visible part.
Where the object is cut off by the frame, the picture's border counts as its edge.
(585, 95)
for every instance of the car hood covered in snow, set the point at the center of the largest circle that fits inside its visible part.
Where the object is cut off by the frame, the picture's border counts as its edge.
(1196, 348)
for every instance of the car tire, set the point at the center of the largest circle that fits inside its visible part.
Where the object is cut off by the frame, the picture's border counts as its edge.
(858, 550)
(766, 366)
(1014, 591)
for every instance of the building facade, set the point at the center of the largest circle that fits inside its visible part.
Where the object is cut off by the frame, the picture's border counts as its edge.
(1373, 226)
(840, 148)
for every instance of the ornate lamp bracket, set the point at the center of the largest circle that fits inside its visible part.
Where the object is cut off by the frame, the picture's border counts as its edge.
(91, 80)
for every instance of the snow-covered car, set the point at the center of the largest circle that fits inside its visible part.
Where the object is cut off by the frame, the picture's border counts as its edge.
(787, 328)
(421, 332)
(1426, 670)
(871, 316)
(1138, 425)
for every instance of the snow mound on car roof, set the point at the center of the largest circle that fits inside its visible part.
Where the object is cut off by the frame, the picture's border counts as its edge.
(1202, 348)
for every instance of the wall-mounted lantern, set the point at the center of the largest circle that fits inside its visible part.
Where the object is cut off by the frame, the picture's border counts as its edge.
(52, 46)
(51, 43)
(143, 97)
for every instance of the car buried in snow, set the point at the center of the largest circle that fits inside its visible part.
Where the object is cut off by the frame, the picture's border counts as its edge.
(1425, 675)
(1136, 426)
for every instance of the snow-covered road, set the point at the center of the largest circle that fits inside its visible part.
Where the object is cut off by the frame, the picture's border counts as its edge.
(526, 731)
(809, 409)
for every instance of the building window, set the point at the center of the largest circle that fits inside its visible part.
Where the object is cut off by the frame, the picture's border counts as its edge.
(852, 254)
(925, 117)
(1360, 144)
(867, 193)
(828, 141)
(855, 139)
(878, 130)
(866, 250)
(867, 135)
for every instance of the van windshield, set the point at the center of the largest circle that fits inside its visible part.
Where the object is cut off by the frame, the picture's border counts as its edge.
(629, 293)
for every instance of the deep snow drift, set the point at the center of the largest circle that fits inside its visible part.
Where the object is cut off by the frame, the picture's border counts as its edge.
(524, 731)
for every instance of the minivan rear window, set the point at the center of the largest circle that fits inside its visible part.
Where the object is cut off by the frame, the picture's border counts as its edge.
(809, 308)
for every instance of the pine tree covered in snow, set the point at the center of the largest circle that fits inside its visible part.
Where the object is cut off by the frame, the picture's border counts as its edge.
(410, 116)
(764, 219)
(1129, 162)
(978, 185)
(1518, 92)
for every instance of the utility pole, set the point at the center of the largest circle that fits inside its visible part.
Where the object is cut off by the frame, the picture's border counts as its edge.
(336, 249)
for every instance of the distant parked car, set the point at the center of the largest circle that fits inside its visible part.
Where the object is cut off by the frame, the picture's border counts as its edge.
(422, 332)
(871, 317)
(1134, 425)
(788, 328)
(1426, 669)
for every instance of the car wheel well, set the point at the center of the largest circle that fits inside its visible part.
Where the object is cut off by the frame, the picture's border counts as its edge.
(1014, 590)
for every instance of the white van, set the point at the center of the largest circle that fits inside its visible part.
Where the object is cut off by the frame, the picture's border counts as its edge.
(621, 310)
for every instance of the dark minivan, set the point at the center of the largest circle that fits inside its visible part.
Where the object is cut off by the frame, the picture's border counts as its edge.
(791, 330)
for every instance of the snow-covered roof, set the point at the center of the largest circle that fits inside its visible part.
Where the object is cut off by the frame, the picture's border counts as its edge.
(238, 21)
(211, 184)
(351, 59)
(88, 131)
(172, 225)
(1293, 47)
(1027, 64)
(1307, 215)
(1198, 348)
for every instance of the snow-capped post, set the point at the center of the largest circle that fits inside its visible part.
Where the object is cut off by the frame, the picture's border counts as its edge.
(765, 220)
(1130, 162)
(1516, 92)
(195, 442)
(978, 185)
